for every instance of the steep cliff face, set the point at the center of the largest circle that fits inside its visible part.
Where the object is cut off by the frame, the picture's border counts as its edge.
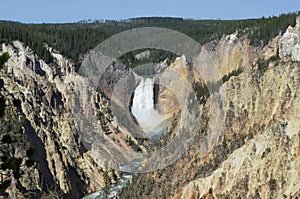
(61, 164)
(266, 112)
(263, 103)
(256, 153)
(217, 59)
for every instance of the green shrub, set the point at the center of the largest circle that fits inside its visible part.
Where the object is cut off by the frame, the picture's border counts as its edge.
(30, 152)
(29, 162)
(272, 184)
(6, 139)
(262, 64)
(17, 103)
(235, 72)
(2, 106)
(4, 185)
(3, 58)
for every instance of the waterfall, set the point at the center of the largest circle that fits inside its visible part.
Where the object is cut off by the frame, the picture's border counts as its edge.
(143, 106)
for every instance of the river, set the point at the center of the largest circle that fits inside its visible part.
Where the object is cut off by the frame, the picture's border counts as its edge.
(113, 190)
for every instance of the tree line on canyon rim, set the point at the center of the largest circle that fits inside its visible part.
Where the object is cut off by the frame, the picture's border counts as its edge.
(73, 40)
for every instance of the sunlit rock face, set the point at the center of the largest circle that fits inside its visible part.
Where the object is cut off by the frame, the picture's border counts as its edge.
(289, 43)
(46, 100)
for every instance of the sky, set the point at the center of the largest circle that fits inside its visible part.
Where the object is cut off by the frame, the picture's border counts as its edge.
(60, 11)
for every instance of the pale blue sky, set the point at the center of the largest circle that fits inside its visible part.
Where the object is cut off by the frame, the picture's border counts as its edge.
(37, 11)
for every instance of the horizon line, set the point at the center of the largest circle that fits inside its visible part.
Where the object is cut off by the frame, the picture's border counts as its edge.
(90, 20)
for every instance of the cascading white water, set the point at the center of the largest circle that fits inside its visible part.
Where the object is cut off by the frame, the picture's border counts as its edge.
(143, 106)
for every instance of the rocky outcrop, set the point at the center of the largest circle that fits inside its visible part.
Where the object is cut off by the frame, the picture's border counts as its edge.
(170, 86)
(111, 76)
(218, 59)
(271, 50)
(143, 55)
(289, 43)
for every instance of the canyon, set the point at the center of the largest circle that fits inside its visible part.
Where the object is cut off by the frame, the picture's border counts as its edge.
(242, 141)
